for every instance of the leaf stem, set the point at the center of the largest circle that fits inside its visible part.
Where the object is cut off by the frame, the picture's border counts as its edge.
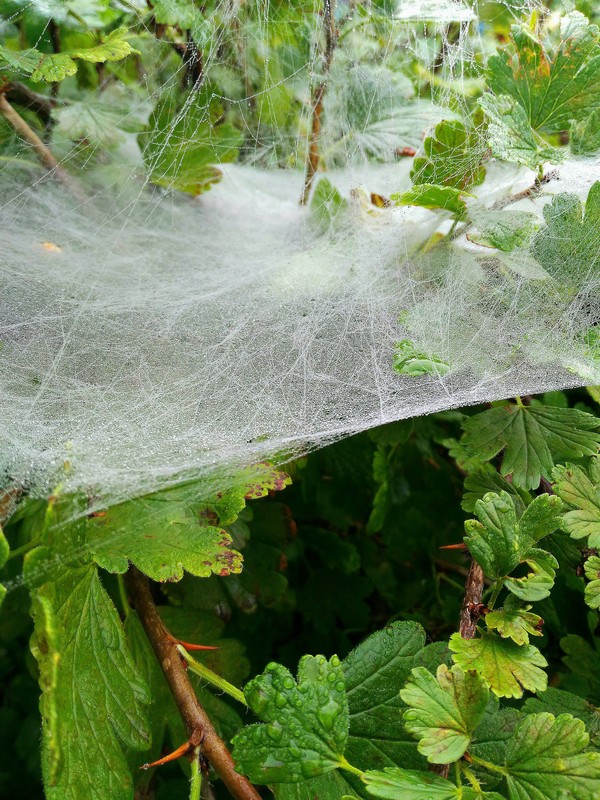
(469, 775)
(21, 551)
(197, 723)
(349, 768)
(487, 765)
(216, 680)
(196, 779)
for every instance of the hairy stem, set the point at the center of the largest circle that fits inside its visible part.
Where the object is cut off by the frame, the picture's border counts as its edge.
(199, 727)
(317, 95)
(211, 677)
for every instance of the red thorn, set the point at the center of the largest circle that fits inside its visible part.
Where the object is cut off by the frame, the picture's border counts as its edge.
(183, 750)
(459, 546)
(189, 646)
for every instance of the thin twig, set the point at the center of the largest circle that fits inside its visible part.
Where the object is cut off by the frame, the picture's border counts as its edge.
(317, 95)
(199, 727)
(23, 96)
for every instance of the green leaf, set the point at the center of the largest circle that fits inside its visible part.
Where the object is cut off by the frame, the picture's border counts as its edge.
(544, 760)
(487, 479)
(405, 784)
(408, 360)
(537, 584)
(566, 246)
(53, 67)
(508, 668)
(581, 491)
(181, 146)
(532, 438)
(505, 230)
(555, 80)
(557, 701)
(499, 542)
(331, 786)
(511, 136)
(162, 538)
(182, 13)
(514, 621)
(444, 712)
(92, 694)
(583, 660)
(375, 672)
(307, 722)
(432, 196)
(452, 157)
(585, 134)
(592, 589)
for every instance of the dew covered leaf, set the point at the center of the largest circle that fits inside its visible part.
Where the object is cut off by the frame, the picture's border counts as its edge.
(331, 786)
(553, 80)
(428, 195)
(532, 438)
(514, 621)
(452, 157)
(375, 672)
(545, 760)
(566, 246)
(580, 490)
(443, 711)
(93, 697)
(395, 783)
(306, 722)
(508, 668)
(511, 136)
(498, 540)
(592, 589)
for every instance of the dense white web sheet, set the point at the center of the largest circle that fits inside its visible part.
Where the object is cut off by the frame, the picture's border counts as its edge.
(147, 336)
(201, 335)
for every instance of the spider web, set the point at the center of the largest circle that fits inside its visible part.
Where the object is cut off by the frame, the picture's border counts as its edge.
(149, 336)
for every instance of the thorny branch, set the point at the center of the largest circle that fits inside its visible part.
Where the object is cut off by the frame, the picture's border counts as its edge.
(199, 727)
(317, 95)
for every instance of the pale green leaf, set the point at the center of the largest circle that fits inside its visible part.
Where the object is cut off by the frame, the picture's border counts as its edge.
(405, 784)
(592, 589)
(514, 621)
(585, 134)
(452, 157)
(581, 491)
(443, 712)
(427, 195)
(538, 582)
(508, 668)
(409, 360)
(182, 13)
(504, 230)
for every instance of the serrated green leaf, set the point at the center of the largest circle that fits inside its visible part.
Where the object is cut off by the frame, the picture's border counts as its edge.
(592, 589)
(583, 660)
(375, 672)
(443, 712)
(405, 784)
(585, 134)
(432, 196)
(53, 67)
(544, 760)
(306, 720)
(452, 157)
(556, 701)
(486, 479)
(566, 246)
(499, 542)
(409, 360)
(554, 80)
(581, 491)
(508, 668)
(511, 136)
(92, 695)
(505, 230)
(331, 786)
(514, 621)
(537, 584)
(532, 438)
(162, 538)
